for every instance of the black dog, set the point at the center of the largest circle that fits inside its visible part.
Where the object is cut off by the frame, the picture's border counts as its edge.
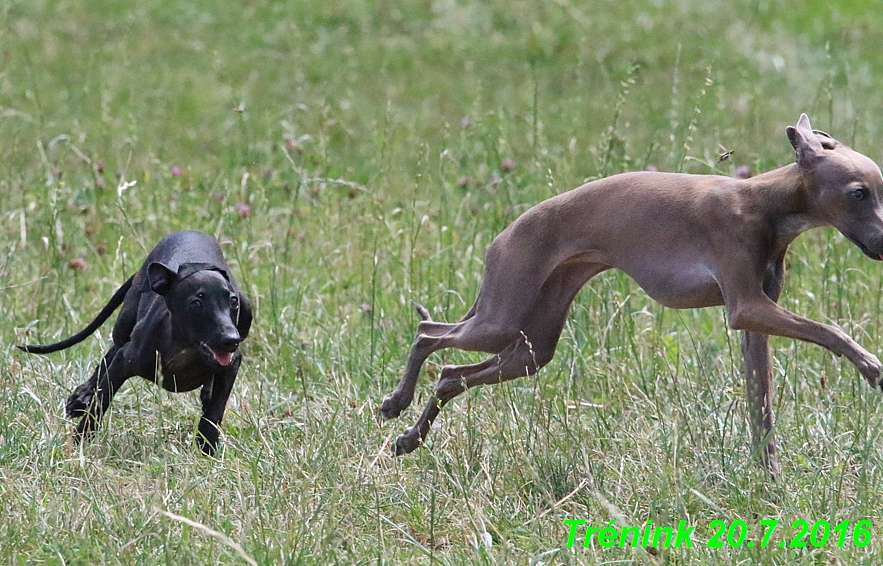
(183, 305)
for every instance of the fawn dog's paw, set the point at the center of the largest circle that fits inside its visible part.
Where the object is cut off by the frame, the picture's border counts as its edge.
(407, 442)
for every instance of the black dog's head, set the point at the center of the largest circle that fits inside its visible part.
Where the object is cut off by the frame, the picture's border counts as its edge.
(204, 305)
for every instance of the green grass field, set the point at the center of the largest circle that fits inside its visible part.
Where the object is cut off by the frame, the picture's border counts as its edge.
(357, 155)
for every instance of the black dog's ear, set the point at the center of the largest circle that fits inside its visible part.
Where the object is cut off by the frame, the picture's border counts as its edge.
(805, 143)
(160, 278)
(243, 323)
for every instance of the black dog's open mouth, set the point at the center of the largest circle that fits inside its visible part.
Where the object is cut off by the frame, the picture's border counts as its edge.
(223, 358)
(865, 250)
(220, 357)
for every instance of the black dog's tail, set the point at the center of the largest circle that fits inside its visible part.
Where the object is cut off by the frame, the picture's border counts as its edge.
(105, 313)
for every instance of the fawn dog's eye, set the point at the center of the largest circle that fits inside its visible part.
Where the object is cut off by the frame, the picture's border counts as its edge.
(859, 194)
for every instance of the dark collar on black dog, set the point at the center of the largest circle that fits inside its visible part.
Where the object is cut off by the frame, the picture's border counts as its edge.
(185, 270)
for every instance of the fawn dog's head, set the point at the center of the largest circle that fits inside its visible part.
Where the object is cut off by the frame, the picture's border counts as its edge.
(844, 187)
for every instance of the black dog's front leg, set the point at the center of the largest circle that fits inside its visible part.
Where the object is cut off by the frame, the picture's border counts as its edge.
(214, 396)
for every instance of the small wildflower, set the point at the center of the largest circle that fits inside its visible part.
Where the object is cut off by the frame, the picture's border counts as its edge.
(742, 172)
(507, 165)
(77, 264)
(652, 168)
(465, 122)
(464, 182)
(242, 209)
(175, 171)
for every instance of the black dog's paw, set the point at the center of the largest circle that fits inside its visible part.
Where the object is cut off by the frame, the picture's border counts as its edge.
(85, 429)
(206, 446)
(207, 438)
(79, 401)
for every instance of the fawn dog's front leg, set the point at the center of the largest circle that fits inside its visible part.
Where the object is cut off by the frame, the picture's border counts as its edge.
(759, 377)
(764, 316)
(758, 392)
(761, 317)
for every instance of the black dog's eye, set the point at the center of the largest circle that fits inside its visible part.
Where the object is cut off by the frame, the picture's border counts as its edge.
(859, 194)
(234, 302)
(196, 303)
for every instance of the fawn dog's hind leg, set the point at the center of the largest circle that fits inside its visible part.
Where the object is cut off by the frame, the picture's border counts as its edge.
(404, 392)
(470, 334)
(492, 323)
(525, 355)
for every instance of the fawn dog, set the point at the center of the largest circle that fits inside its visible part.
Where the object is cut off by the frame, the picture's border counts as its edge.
(689, 241)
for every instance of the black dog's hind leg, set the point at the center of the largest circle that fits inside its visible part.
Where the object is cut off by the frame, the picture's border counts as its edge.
(92, 398)
(82, 396)
(214, 396)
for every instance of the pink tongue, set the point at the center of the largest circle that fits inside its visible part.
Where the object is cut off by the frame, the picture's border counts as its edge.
(223, 358)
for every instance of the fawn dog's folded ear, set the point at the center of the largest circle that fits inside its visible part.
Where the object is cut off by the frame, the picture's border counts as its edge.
(805, 142)
(160, 278)
(827, 141)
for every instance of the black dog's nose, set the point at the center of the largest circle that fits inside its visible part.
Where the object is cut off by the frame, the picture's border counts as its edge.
(229, 343)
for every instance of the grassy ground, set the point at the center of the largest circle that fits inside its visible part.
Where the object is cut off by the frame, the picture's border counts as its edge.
(357, 155)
